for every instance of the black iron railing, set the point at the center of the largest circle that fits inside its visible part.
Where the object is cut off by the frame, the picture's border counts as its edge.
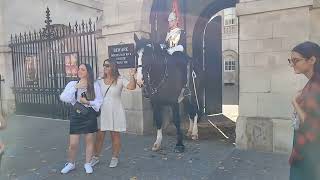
(44, 61)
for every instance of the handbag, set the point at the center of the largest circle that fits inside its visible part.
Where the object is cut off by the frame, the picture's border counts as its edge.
(80, 108)
(99, 113)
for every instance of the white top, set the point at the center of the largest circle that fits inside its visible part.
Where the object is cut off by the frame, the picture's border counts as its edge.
(68, 95)
(112, 112)
(295, 120)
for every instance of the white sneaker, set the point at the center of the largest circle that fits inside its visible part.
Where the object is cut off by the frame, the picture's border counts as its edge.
(88, 168)
(68, 167)
(94, 161)
(114, 162)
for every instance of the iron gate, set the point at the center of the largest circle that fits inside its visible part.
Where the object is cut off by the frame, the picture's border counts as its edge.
(45, 61)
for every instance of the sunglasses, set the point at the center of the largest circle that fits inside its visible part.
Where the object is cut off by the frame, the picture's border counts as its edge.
(106, 65)
(294, 61)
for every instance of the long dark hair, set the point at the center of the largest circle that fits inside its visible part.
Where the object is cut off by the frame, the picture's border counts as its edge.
(90, 82)
(307, 50)
(114, 69)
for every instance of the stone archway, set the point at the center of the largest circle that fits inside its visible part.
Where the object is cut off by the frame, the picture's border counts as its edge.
(202, 21)
(200, 42)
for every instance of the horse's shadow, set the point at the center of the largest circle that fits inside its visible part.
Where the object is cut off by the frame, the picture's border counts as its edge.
(223, 129)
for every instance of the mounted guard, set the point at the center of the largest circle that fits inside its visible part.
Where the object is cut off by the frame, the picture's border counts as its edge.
(174, 45)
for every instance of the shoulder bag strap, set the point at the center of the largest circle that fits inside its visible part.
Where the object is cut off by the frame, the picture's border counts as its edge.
(108, 89)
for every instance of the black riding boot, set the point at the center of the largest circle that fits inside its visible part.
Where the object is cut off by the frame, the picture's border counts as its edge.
(182, 65)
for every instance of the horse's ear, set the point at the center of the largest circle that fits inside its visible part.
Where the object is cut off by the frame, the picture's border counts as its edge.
(136, 39)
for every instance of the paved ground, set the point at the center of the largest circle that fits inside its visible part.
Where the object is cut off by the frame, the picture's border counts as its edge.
(36, 149)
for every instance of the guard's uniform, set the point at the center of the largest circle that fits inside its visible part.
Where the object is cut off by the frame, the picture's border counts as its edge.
(174, 44)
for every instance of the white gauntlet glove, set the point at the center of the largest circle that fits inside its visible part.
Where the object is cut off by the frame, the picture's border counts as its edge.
(170, 51)
(174, 49)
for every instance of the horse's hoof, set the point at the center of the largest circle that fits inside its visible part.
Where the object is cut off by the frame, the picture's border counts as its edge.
(189, 133)
(195, 137)
(179, 149)
(156, 147)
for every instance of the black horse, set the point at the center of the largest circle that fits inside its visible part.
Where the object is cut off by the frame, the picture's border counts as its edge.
(162, 79)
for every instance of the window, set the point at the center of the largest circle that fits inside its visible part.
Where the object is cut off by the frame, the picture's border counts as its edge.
(230, 17)
(230, 22)
(229, 64)
(230, 29)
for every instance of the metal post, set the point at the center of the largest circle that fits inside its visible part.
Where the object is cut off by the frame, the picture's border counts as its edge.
(42, 98)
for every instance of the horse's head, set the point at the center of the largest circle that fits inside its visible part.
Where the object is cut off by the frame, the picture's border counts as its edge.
(146, 51)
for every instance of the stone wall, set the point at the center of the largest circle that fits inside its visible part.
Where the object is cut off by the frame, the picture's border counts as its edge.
(315, 25)
(230, 48)
(21, 16)
(121, 19)
(268, 31)
(1, 22)
(7, 98)
(194, 9)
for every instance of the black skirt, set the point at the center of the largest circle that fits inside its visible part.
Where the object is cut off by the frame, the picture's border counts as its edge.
(83, 124)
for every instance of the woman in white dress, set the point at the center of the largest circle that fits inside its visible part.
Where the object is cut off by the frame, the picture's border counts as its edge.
(112, 112)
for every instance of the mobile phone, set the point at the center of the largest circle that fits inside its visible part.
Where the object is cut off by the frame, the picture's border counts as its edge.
(84, 95)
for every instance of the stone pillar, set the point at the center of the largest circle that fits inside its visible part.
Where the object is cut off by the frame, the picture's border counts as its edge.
(315, 25)
(7, 97)
(120, 20)
(268, 31)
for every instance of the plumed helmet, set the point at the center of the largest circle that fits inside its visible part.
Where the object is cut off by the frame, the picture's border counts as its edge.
(172, 17)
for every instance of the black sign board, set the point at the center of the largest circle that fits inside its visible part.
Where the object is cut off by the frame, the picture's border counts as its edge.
(123, 55)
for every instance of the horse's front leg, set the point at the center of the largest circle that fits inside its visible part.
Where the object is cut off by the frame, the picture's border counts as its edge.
(157, 117)
(176, 118)
(194, 134)
(189, 133)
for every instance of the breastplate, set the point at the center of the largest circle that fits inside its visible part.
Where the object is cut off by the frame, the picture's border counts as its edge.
(173, 38)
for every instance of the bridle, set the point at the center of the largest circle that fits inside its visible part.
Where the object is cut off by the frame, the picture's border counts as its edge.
(150, 90)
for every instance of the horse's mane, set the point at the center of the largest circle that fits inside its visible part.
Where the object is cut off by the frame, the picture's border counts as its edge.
(142, 43)
(148, 43)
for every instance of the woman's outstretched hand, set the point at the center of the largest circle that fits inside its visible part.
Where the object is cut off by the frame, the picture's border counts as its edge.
(132, 72)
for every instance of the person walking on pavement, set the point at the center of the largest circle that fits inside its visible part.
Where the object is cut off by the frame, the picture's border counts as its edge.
(305, 160)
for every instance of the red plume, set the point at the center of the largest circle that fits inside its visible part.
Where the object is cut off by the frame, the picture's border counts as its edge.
(176, 10)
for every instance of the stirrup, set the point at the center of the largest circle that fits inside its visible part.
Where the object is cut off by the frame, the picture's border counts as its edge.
(186, 91)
